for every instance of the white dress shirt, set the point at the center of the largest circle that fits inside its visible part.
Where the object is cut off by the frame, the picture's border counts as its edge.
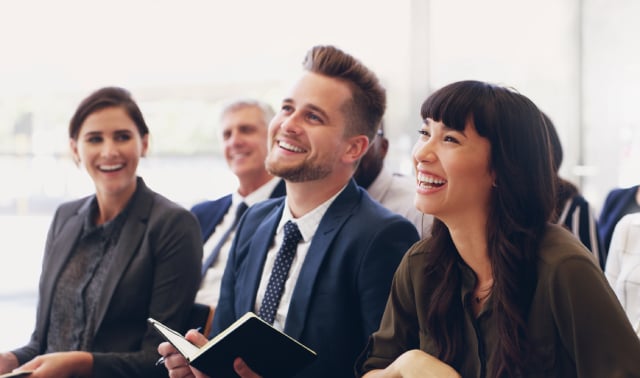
(623, 266)
(397, 193)
(307, 224)
(209, 291)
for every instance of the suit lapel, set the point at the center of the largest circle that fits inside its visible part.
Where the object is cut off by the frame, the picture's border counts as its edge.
(128, 245)
(216, 214)
(256, 256)
(61, 250)
(329, 226)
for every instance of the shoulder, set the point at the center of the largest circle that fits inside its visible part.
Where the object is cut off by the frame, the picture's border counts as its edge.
(630, 220)
(212, 204)
(627, 230)
(371, 215)
(560, 250)
(618, 193)
(69, 208)
(160, 209)
(266, 206)
(257, 213)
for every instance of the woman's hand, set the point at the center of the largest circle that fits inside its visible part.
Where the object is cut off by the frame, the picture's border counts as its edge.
(8, 362)
(415, 364)
(62, 365)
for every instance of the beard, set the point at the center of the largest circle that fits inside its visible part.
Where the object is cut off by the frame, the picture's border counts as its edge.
(306, 171)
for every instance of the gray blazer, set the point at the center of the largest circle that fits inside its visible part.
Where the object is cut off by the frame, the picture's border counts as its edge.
(155, 273)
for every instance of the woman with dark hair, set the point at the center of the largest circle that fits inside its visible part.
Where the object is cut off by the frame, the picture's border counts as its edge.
(497, 291)
(112, 259)
(572, 210)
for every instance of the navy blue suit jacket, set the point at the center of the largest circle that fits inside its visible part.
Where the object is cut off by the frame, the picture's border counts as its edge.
(612, 211)
(344, 282)
(210, 213)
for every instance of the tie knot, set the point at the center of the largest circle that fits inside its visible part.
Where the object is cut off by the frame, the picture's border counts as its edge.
(292, 234)
(242, 207)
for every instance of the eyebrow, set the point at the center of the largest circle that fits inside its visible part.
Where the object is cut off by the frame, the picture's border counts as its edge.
(313, 107)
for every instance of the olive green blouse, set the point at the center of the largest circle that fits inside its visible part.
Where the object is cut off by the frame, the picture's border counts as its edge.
(576, 324)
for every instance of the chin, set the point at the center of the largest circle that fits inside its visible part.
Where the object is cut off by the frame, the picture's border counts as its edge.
(425, 208)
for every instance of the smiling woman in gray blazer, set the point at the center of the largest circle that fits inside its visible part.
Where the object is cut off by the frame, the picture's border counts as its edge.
(112, 259)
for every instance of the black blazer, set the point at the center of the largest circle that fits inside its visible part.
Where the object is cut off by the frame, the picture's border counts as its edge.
(343, 286)
(155, 273)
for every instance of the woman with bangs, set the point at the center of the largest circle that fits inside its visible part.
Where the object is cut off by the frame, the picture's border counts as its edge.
(497, 291)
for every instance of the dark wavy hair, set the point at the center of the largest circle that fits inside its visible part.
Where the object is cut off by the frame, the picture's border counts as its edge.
(369, 99)
(103, 98)
(521, 203)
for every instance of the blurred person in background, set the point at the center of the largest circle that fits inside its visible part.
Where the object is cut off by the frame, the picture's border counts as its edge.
(395, 191)
(112, 259)
(623, 266)
(619, 202)
(572, 209)
(244, 124)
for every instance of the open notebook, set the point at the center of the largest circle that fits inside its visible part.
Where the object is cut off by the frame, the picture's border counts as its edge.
(268, 351)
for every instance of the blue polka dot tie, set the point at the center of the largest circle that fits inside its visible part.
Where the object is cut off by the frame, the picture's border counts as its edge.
(280, 272)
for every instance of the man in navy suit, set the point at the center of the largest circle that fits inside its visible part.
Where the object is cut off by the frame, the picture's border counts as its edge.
(244, 124)
(338, 283)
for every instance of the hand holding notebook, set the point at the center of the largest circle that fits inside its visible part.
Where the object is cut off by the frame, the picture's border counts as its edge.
(264, 349)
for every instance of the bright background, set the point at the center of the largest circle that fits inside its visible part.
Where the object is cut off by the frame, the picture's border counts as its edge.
(575, 59)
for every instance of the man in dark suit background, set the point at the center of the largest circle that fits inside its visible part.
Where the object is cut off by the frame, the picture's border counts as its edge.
(244, 124)
(619, 202)
(337, 286)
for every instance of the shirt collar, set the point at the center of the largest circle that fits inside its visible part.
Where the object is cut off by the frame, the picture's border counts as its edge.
(258, 195)
(308, 223)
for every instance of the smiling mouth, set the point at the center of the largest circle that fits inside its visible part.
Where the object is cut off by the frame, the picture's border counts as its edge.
(111, 168)
(289, 147)
(429, 182)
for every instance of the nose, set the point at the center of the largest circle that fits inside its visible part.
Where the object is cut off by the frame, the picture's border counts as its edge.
(423, 151)
(289, 124)
(233, 139)
(109, 148)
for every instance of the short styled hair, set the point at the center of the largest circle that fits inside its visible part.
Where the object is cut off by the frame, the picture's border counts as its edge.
(369, 99)
(107, 97)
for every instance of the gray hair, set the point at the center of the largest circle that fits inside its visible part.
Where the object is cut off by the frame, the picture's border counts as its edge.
(237, 104)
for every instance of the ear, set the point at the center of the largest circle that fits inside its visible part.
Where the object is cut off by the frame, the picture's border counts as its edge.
(145, 145)
(356, 148)
(73, 145)
(384, 146)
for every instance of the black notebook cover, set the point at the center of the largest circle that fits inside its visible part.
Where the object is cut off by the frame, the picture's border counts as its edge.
(269, 352)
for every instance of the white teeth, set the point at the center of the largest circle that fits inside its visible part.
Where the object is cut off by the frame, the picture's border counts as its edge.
(429, 180)
(111, 167)
(289, 147)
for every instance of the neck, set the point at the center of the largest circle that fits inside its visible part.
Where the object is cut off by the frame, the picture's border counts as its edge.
(471, 243)
(306, 196)
(109, 208)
